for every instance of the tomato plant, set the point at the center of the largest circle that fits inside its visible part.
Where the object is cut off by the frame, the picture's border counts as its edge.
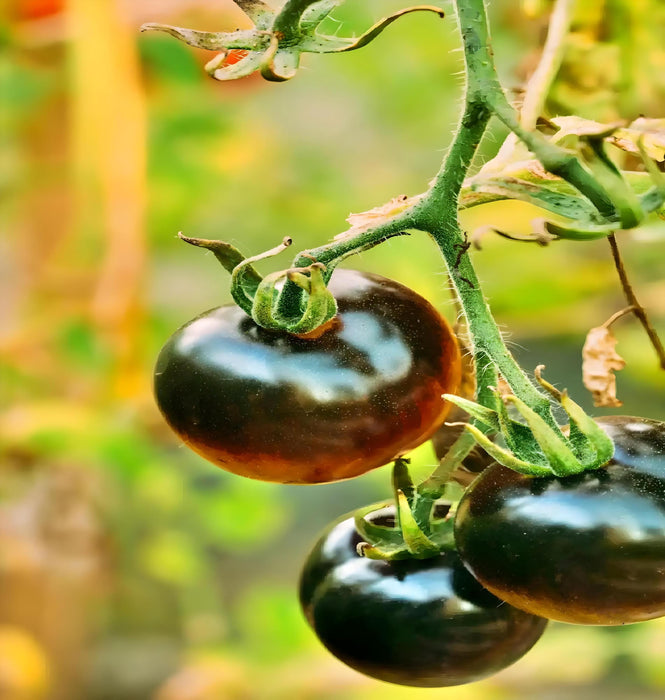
(584, 549)
(305, 384)
(413, 622)
(278, 407)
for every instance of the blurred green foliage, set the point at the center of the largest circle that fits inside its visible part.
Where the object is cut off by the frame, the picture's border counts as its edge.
(175, 580)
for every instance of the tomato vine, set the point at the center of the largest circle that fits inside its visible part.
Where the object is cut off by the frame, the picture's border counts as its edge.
(583, 185)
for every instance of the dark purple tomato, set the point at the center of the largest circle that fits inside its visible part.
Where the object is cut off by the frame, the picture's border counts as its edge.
(417, 622)
(586, 549)
(278, 407)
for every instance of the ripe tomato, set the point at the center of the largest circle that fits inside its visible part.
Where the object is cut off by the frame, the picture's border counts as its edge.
(234, 56)
(587, 549)
(424, 622)
(278, 407)
(37, 9)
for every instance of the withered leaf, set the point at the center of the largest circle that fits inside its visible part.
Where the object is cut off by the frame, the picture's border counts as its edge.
(599, 362)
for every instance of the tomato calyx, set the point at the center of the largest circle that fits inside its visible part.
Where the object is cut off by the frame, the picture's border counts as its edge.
(534, 447)
(312, 306)
(278, 38)
(422, 528)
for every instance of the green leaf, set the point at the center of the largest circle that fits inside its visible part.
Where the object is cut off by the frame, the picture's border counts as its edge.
(544, 194)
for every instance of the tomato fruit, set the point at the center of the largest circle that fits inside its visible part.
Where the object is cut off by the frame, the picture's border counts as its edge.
(278, 407)
(234, 56)
(37, 9)
(424, 622)
(587, 549)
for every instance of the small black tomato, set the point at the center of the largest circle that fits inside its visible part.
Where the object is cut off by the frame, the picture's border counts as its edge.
(424, 622)
(278, 407)
(587, 549)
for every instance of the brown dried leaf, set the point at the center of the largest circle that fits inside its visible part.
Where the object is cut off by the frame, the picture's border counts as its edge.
(578, 126)
(599, 362)
(650, 131)
(368, 219)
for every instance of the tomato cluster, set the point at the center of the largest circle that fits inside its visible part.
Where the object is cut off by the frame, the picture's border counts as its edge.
(585, 549)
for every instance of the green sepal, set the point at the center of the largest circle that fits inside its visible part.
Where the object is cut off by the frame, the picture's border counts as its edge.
(316, 13)
(278, 38)
(505, 457)
(246, 66)
(278, 65)
(246, 281)
(385, 553)
(418, 533)
(420, 502)
(416, 541)
(317, 43)
(561, 458)
(248, 39)
(255, 9)
(232, 259)
(320, 305)
(594, 445)
(598, 439)
(373, 533)
(519, 438)
(443, 533)
(260, 296)
(486, 416)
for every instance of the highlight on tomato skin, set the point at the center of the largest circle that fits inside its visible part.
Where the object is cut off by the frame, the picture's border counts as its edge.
(587, 549)
(418, 622)
(276, 407)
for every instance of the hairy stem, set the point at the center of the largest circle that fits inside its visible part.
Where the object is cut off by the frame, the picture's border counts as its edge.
(437, 213)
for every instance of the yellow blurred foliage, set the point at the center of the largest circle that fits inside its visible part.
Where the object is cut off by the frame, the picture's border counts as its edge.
(24, 667)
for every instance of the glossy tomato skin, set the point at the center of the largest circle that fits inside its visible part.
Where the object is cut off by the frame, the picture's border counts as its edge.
(278, 407)
(424, 623)
(587, 549)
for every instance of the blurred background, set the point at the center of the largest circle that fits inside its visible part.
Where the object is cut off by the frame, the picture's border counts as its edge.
(126, 569)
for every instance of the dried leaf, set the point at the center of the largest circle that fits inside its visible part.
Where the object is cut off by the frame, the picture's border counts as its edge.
(599, 362)
(650, 131)
(368, 219)
(585, 128)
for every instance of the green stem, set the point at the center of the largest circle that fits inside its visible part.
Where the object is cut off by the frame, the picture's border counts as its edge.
(331, 254)
(287, 23)
(437, 213)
